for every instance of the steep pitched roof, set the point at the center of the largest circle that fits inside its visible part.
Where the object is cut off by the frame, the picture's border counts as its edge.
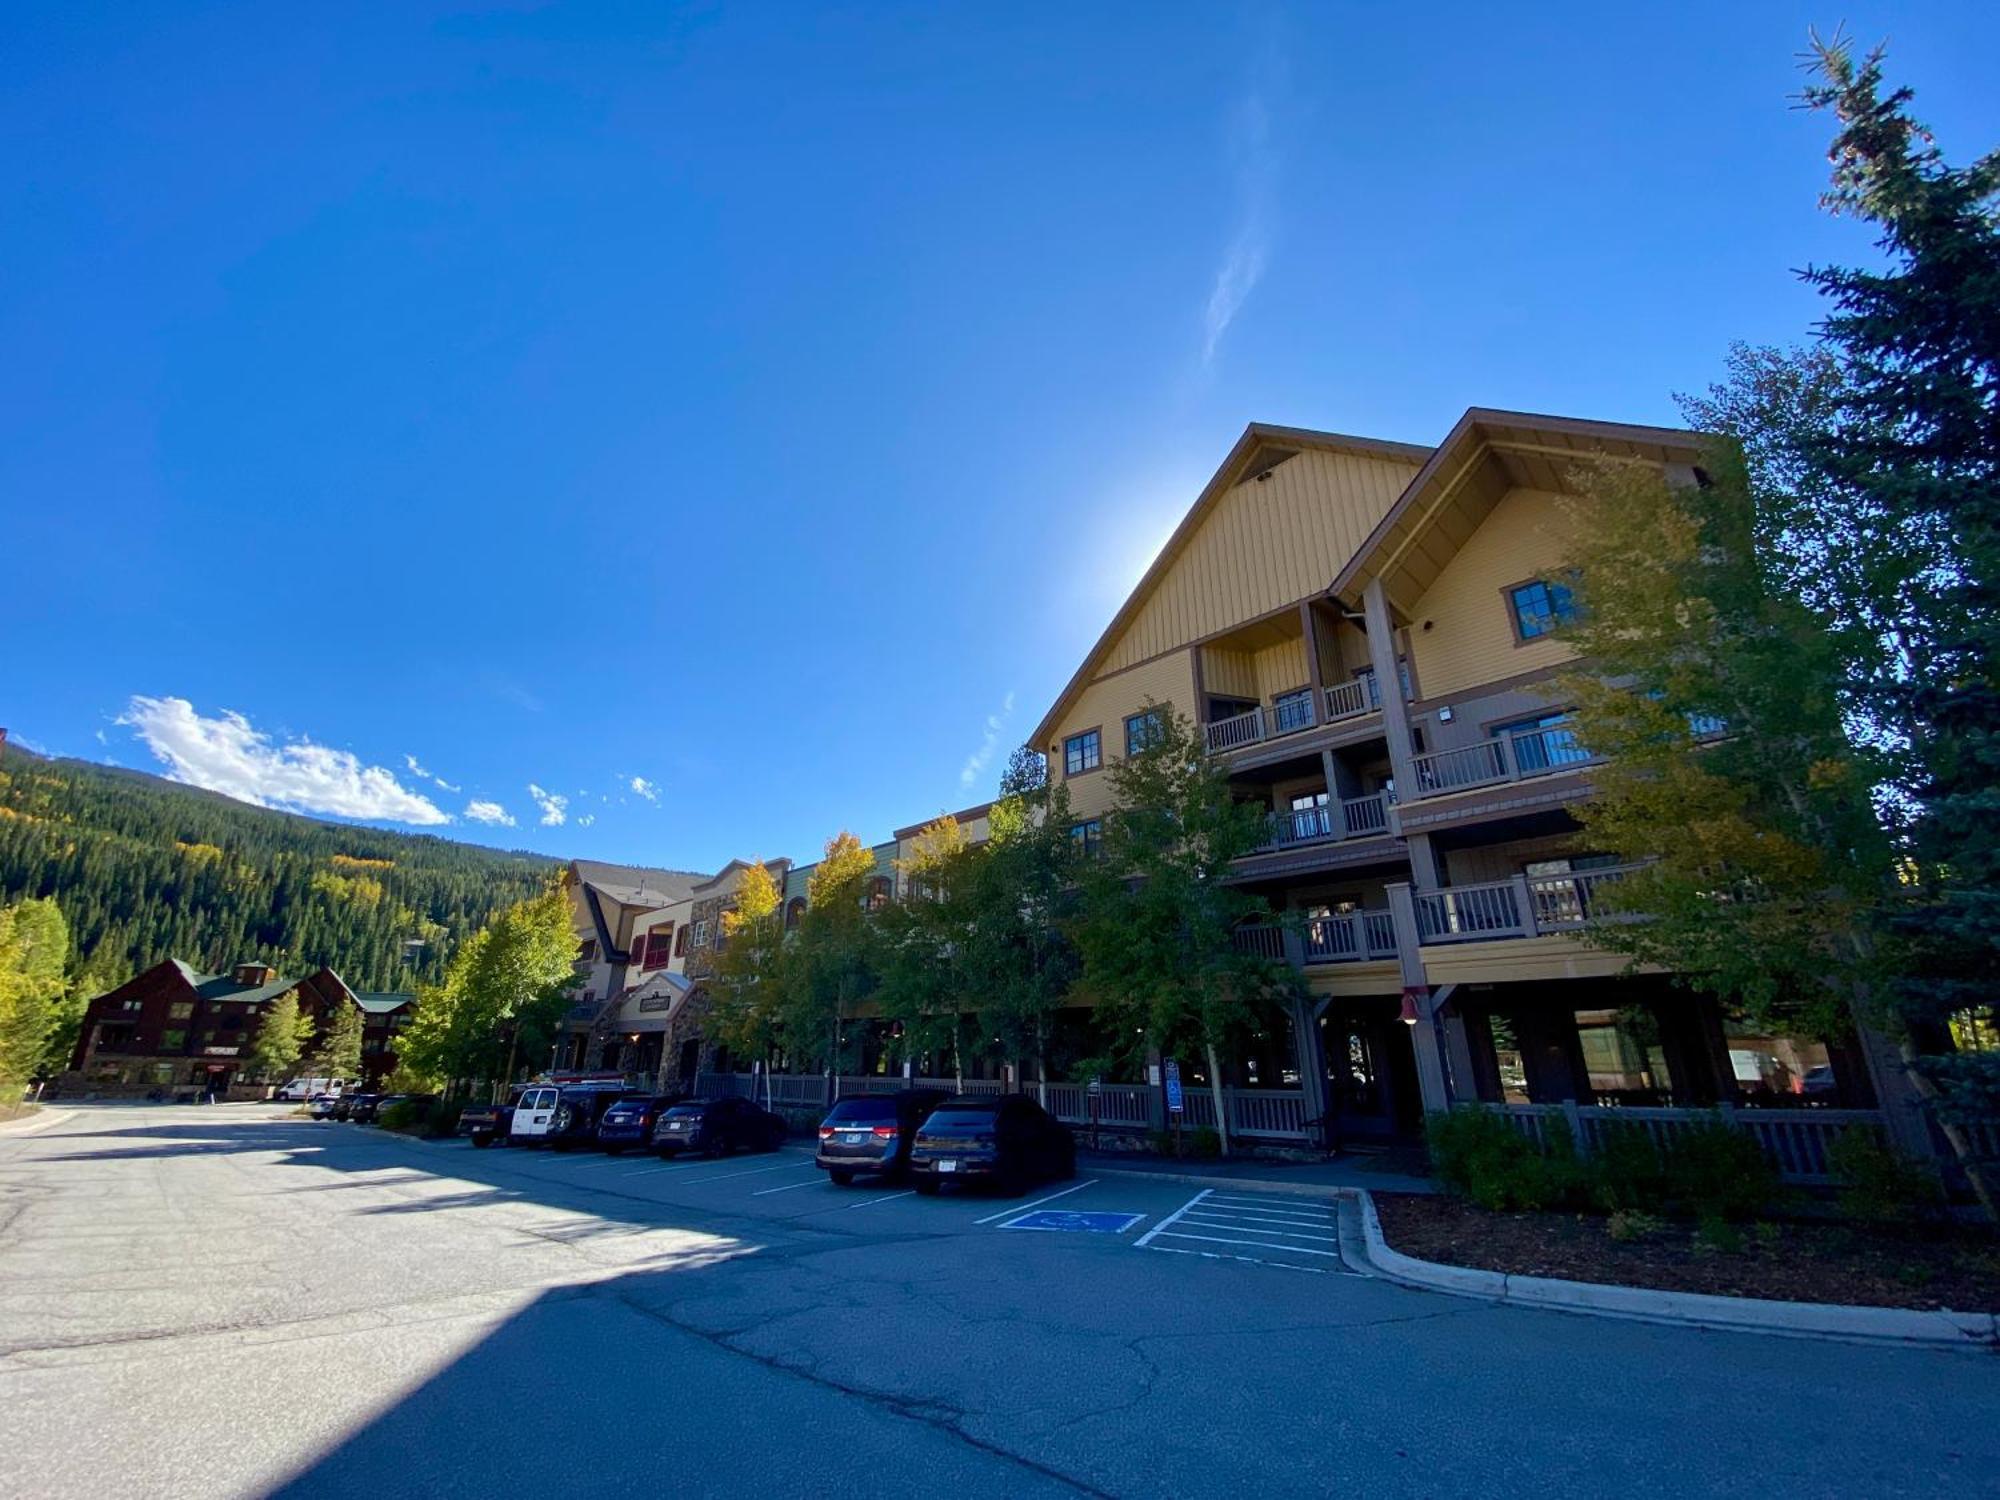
(381, 1002)
(1262, 446)
(637, 885)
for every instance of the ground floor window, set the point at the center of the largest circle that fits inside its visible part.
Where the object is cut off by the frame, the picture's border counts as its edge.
(1622, 1056)
(1777, 1068)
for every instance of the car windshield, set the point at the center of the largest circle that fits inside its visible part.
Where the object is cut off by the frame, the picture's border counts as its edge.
(687, 1111)
(862, 1111)
(961, 1119)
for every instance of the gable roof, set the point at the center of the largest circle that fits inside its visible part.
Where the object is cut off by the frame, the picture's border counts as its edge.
(1261, 447)
(1487, 452)
(637, 885)
(381, 1002)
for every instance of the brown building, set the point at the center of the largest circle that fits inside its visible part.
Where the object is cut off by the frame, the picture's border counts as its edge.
(175, 1029)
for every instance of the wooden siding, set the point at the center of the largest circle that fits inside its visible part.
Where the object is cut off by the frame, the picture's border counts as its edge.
(1281, 668)
(1228, 674)
(1504, 861)
(1265, 545)
(1105, 703)
(1470, 641)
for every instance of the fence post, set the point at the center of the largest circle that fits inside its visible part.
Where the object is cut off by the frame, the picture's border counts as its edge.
(1575, 1118)
(1524, 900)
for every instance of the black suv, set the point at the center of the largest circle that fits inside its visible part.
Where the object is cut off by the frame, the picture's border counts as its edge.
(578, 1111)
(718, 1126)
(873, 1133)
(1005, 1139)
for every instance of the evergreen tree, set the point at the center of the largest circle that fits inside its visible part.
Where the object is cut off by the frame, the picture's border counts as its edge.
(34, 949)
(336, 1050)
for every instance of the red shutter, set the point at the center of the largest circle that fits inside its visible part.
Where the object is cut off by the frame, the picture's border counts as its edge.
(639, 950)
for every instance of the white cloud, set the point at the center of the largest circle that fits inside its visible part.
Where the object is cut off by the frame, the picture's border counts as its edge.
(645, 789)
(417, 770)
(478, 811)
(1248, 251)
(554, 806)
(586, 820)
(227, 754)
(977, 762)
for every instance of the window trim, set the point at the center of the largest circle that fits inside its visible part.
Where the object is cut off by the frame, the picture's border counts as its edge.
(1087, 843)
(1063, 750)
(1507, 593)
(1155, 715)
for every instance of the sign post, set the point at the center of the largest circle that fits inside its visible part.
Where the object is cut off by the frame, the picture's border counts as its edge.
(1096, 1096)
(1176, 1102)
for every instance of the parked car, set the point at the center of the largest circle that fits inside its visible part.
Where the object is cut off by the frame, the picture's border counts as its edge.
(873, 1133)
(1007, 1140)
(629, 1121)
(389, 1101)
(579, 1109)
(322, 1106)
(534, 1113)
(717, 1127)
(362, 1112)
(483, 1124)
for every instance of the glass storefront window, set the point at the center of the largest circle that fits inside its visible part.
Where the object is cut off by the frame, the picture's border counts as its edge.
(1510, 1065)
(1770, 1066)
(1622, 1056)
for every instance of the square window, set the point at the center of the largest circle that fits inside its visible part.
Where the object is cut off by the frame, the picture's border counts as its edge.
(1083, 752)
(1088, 835)
(1143, 731)
(180, 1010)
(173, 1041)
(1539, 607)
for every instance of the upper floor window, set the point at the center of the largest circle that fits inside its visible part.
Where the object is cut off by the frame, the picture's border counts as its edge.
(1083, 752)
(1539, 607)
(701, 933)
(1088, 835)
(180, 1010)
(1293, 710)
(795, 912)
(878, 892)
(1143, 730)
(173, 1041)
(657, 946)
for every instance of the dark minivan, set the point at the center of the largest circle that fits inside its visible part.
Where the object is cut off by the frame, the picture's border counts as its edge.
(873, 1133)
(717, 1127)
(1007, 1140)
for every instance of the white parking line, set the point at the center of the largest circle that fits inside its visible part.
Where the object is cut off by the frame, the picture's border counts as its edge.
(1273, 1204)
(1150, 1235)
(871, 1202)
(1276, 1265)
(1236, 1218)
(783, 1166)
(1215, 1239)
(1268, 1234)
(1024, 1207)
(790, 1187)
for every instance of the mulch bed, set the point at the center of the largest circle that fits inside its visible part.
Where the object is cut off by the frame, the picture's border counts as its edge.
(1925, 1268)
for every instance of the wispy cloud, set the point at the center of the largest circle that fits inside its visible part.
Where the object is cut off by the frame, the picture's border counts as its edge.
(586, 820)
(417, 770)
(554, 806)
(227, 754)
(977, 762)
(645, 788)
(477, 811)
(1254, 167)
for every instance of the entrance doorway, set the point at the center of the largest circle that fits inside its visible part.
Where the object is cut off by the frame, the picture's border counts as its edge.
(1371, 1070)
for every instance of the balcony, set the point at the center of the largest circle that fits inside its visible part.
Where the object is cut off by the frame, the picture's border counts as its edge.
(1294, 713)
(1509, 756)
(1349, 938)
(1526, 906)
(1351, 818)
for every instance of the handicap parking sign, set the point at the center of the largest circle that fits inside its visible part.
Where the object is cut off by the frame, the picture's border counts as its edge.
(1073, 1223)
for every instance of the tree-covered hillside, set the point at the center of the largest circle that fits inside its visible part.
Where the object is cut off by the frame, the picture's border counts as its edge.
(145, 869)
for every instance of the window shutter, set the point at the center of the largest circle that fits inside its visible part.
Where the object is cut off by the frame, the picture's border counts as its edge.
(639, 950)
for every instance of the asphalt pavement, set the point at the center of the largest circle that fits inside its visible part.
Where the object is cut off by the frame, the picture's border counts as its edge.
(228, 1301)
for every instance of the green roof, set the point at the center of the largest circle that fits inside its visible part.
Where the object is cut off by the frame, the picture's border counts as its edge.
(381, 1002)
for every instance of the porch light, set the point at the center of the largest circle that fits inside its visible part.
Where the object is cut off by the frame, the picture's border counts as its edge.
(1409, 1015)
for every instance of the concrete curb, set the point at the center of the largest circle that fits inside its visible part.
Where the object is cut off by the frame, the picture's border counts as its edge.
(1869, 1325)
(41, 1119)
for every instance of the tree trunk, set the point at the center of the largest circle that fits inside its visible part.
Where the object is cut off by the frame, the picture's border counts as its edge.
(1221, 1104)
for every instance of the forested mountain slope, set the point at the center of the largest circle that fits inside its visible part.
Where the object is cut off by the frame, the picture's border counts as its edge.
(145, 869)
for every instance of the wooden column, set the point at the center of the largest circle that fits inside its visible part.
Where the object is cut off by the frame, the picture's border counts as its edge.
(1389, 684)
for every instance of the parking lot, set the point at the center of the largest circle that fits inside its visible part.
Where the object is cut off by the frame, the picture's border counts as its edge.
(230, 1301)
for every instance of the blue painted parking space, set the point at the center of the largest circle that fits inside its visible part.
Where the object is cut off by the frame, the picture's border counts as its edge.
(1063, 1222)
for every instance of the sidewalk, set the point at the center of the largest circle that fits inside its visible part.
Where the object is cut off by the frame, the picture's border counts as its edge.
(1345, 1173)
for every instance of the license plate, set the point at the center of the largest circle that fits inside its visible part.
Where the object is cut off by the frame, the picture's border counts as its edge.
(947, 1166)
(854, 1138)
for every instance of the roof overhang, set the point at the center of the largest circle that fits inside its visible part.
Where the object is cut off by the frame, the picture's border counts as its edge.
(1262, 446)
(1488, 453)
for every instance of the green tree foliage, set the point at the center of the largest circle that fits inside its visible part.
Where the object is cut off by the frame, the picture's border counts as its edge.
(336, 1050)
(34, 951)
(1918, 439)
(1158, 912)
(502, 999)
(752, 984)
(837, 953)
(282, 1035)
(148, 870)
(926, 989)
(1716, 701)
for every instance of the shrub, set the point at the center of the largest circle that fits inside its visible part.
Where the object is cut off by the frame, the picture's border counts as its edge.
(1626, 1173)
(1204, 1142)
(1478, 1154)
(1629, 1226)
(1878, 1184)
(1717, 1173)
(405, 1114)
(1717, 1236)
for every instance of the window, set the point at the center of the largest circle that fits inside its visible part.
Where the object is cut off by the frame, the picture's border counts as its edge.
(795, 913)
(180, 1010)
(681, 943)
(1143, 731)
(173, 1041)
(586, 951)
(1539, 607)
(657, 945)
(878, 892)
(131, 1005)
(1293, 710)
(372, 1045)
(701, 933)
(1083, 752)
(1542, 743)
(231, 1022)
(1088, 836)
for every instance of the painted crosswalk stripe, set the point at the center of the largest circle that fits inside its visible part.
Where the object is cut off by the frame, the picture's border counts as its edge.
(1154, 1233)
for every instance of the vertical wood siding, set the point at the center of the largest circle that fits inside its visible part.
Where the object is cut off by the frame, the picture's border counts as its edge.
(1106, 702)
(1470, 641)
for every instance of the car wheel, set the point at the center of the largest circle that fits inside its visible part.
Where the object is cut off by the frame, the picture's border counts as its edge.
(666, 1153)
(481, 1142)
(840, 1177)
(612, 1150)
(927, 1187)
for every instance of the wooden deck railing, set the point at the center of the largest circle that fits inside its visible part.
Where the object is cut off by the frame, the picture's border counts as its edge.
(1511, 756)
(1794, 1141)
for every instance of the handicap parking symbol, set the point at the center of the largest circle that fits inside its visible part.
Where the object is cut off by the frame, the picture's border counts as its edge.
(1073, 1223)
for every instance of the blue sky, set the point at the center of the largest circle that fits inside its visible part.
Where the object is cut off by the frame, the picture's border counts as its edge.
(737, 421)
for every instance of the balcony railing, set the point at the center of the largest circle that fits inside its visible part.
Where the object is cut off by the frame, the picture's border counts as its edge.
(1293, 714)
(1234, 733)
(1351, 699)
(1509, 756)
(1525, 906)
(1351, 818)
(1351, 937)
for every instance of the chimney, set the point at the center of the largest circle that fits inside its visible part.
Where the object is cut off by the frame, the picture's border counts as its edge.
(253, 975)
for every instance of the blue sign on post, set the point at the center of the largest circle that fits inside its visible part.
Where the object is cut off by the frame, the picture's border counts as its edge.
(1173, 1087)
